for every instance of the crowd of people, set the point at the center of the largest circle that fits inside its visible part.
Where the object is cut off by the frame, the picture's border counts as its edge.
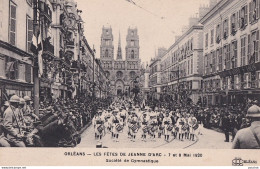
(223, 118)
(174, 122)
(122, 116)
(58, 123)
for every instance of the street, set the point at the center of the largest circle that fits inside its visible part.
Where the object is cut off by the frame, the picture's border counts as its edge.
(209, 140)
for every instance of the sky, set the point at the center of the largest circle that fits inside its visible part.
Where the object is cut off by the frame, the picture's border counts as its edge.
(158, 21)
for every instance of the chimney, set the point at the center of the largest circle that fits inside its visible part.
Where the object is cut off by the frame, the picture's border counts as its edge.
(213, 3)
(185, 29)
(203, 10)
(193, 21)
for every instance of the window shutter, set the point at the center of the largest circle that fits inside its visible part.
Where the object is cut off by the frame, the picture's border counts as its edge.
(28, 73)
(250, 12)
(257, 47)
(257, 9)
(227, 26)
(231, 21)
(239, 19)
(12, 26)
(249, 49)
(29, 33)
(246, 15)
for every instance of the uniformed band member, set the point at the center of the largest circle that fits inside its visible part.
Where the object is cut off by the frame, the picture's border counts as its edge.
(193, 125)
(180, 125)
(153, 126)
(117, 125)
(134, 126)
(98, 125)
(144, 125)
(167, 126)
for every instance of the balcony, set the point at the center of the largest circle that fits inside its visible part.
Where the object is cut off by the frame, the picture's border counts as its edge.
(48, 49)
(45, 11)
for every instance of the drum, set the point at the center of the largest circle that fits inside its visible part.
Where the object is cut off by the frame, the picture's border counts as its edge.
(196, 126)
(119, 127)
(170, 127)
(154, 128)
(185, 127)
(134, 127)
(177, 129)
(145, 129)
(161, 128)
(100, 128)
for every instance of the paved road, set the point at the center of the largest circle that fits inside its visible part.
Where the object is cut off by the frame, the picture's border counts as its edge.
(209, 140)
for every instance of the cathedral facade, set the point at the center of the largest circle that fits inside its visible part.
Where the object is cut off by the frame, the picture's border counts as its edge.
(121, 72)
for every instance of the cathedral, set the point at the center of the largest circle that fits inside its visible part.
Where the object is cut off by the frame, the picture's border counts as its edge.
(121, 72)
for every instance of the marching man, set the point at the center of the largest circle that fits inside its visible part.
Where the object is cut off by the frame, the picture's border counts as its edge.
(193, 125)
(134, 126)
(144, 126)
(117, 125)
(167, 126)
(98, 126)
(153, 126)
(180, 123)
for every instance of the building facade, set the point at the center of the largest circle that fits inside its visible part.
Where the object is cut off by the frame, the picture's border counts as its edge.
(121, 72)
(231, 52)
(44, 53)
(16, 30)
(181, 71)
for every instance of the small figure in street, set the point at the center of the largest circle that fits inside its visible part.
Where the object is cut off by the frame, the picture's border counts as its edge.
(144, 126)
(180, 123)
(167, 126)
(226, 124)
(249, 138)
(193, 125)
(117, 125)
(134, 126)
(99, 126)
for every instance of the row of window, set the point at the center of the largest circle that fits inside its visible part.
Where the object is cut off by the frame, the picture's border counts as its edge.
(237, 20)
(13, 27)
(236, 82)
(180, 54)
(227, 57)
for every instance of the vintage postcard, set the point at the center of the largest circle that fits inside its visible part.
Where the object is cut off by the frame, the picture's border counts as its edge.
(129, 82)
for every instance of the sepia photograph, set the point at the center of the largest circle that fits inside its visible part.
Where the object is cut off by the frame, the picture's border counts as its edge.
(130, 74)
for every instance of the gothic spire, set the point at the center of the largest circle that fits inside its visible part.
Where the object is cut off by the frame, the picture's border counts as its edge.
(119, 50)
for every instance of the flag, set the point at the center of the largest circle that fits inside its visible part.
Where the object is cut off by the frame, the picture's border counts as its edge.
(40, 49)
(34, 44)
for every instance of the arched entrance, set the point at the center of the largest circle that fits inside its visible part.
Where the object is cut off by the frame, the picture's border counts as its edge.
(119, 87)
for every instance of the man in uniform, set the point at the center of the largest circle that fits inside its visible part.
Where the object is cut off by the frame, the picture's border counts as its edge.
(192, 121)
(99, 125)
(11, 122)
(249, 138)
(117, 125)
(167, 126)
(144, 125)
(134, 126)
(180, 123)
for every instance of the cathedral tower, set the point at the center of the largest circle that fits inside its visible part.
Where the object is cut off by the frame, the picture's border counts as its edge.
(107, 47)
(132, 44)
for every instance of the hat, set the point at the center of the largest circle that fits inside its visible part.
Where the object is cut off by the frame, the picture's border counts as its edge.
(22, 101)
(27, 98)
(15, 99)
(253, 111)
(6, 103)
